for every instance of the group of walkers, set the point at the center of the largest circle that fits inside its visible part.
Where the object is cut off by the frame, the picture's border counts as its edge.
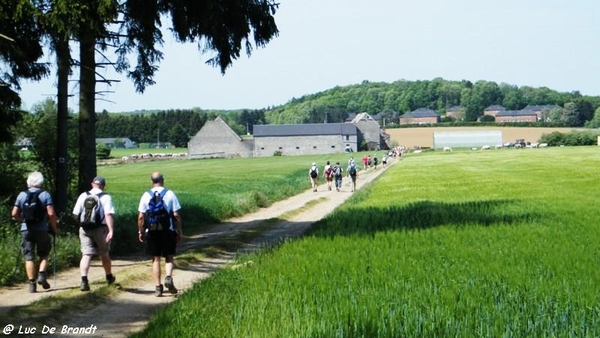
(158, 222)
(333, 175)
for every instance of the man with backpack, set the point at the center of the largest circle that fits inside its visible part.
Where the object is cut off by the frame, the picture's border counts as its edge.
(34, 209)
(328, 174)
(353, 173)
(313, 175)
(337, 174)
(159, 225)
(95, 212)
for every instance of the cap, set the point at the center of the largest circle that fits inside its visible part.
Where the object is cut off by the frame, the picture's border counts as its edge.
(99, 180)
(314, 163)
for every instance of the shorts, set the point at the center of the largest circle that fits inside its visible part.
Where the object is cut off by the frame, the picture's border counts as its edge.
(161, 243)
(93, 241)
(32, 241)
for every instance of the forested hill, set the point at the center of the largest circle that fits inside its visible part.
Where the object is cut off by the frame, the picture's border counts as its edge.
(438, 94)
(334, 105)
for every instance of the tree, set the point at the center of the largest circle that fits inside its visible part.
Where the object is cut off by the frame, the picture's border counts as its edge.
(595, 121)
(570, 115)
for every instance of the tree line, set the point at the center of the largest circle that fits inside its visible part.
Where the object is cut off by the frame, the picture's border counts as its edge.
(396, 98)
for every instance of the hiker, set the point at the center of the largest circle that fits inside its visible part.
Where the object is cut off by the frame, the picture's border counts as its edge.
(365, 162)
(159, 225)
(375, 161)
(313, 175)
(384, 161)
(34, 209)
(328, 174)
(337, 173)
(353, 174)
(95, 212)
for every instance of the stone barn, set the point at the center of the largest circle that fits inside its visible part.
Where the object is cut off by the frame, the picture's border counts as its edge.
(304, 139)
(217, 139)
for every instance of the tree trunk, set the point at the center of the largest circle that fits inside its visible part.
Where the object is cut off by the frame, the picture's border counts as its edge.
(87, 112)
(62, 180)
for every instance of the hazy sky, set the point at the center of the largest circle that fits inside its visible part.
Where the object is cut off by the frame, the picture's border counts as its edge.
(328, 43)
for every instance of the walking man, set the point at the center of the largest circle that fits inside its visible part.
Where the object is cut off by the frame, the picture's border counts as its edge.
(159, 225)
(34, 209)
(337, 173)
(353, 173)
(95, 212)
(313, 175)
(328, 174)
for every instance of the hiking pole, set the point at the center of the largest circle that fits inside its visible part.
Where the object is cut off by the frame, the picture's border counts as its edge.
(54, 261)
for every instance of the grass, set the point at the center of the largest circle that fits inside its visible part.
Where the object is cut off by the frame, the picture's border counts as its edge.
(499, 243)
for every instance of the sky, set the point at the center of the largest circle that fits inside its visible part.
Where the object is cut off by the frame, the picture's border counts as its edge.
(327, 43)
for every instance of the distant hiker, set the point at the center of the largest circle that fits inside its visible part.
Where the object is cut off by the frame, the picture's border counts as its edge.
(353, 174)
(351, 160)
(34, 209)
(313, 175)
(337, 173)
(365, 162)
(95, 212)
(375, 161)
(384, 161)
(328, 174)
(159, 225)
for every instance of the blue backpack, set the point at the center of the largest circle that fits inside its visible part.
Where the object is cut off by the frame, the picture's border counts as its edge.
(157, 217)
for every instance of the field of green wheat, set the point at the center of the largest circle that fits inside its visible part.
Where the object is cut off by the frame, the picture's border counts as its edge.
(466, 244)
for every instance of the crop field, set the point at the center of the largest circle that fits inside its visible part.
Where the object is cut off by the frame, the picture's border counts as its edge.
(466, 244)
(423, 137)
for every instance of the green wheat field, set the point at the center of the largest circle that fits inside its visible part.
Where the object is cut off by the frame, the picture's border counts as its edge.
(503, 243)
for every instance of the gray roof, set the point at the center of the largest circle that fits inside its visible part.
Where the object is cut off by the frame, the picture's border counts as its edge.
(421, 112)
(516, 113)
(304, 129)
(454, 108)
(495, 107)
(542, 107)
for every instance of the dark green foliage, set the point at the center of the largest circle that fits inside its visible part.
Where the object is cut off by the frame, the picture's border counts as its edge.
(573, 138)
(102, 151)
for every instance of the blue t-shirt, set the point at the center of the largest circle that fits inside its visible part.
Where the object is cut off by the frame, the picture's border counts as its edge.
(45, 199)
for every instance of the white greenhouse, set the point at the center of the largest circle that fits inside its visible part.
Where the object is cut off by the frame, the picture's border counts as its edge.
(466, 139)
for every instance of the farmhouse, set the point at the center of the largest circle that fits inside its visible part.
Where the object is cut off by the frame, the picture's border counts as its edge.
(117, 142)
(304, 139)
(454, 112)
(493, 110)
(516, 116)
(540, 109)
(420, 116)
(217, 139)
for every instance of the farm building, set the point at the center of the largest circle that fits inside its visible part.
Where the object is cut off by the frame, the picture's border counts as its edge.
(420, 116)
(304, 139)
(217, 139)
(455, 112)
(117, 142)
(516, 116)
(466, 139)
(493, 110)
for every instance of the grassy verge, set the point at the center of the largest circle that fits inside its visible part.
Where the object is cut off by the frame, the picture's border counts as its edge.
(469, 244)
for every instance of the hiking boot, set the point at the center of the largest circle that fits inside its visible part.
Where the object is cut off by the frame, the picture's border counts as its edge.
(110, 279)
(169, 284)
(85, 285)
(159, 291)
(42, 281)
(32, 287)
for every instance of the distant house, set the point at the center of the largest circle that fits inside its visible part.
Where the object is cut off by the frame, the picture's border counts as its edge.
(516, 116)
(540, 109)
(454, 111)
(217, 139)
(370, 132)
(420, 116)
(304, 139)
(117, 142)
(493, 110)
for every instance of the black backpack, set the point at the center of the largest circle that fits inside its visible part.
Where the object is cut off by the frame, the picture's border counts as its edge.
(157, 217)
(90, 216)
(33, 209)
(352, 171)
(313, 173)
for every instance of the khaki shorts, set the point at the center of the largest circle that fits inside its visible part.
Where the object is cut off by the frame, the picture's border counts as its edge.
(93, 241)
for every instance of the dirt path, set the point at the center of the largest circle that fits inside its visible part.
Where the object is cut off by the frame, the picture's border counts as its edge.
(128, 311)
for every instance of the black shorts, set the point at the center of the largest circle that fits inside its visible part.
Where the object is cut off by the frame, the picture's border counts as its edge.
(161, 243)
(32, 241)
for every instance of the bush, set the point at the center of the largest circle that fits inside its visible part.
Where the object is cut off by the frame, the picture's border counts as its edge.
(102, 151)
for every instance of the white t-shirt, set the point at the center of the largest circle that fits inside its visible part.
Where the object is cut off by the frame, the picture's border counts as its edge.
(105, 200)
